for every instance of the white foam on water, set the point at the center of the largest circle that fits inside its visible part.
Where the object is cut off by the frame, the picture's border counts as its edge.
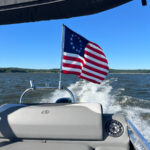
(89, 92)
(56, 95)
(133, 114)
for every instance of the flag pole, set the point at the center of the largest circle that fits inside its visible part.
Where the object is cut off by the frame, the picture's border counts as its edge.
(62, 45)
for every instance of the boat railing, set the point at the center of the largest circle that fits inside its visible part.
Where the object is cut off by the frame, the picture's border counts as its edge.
(33, 88)
(136, 136)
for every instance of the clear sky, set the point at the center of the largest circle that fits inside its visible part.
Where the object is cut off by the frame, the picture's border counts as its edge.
(122, 32)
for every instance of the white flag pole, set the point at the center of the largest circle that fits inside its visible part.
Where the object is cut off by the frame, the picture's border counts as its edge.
(60, 73)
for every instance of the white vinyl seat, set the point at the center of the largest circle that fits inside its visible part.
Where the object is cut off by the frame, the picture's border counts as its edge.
(81, 121)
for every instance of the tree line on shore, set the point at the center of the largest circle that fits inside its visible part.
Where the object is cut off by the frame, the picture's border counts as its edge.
(24, 70)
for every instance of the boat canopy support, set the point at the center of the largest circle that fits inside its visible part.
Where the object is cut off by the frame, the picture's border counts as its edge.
(20, 11)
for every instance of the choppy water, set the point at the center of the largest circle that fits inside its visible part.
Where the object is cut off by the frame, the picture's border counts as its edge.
(128, 94)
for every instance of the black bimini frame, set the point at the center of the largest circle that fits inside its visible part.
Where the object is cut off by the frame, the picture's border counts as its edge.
(19, 11)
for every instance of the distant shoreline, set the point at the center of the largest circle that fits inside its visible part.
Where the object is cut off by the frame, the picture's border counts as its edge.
(112, 71)
(26, 70)
(129, 73)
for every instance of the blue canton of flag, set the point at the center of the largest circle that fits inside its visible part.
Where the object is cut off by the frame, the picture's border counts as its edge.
(83, 58)
(74, 43)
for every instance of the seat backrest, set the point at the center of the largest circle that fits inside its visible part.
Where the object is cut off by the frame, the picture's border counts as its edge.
(82, 121)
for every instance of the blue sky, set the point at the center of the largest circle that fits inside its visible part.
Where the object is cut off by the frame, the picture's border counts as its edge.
(122, 32)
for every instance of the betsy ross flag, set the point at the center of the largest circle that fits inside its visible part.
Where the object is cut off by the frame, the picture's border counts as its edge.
(83, 58)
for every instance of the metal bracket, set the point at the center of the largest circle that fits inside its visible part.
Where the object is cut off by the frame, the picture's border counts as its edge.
(144, 2)
(33, 88)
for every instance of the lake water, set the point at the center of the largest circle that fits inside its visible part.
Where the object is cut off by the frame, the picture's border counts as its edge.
(128, 94)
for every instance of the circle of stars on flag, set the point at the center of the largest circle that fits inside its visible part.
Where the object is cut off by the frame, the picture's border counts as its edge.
(76, 43)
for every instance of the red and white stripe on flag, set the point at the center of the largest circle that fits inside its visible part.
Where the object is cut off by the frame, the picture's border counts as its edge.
(92, 67)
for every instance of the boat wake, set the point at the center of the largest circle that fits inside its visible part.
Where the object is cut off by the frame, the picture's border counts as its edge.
(112, 100)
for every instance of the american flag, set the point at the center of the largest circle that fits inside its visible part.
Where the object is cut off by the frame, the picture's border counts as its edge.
(83, 58)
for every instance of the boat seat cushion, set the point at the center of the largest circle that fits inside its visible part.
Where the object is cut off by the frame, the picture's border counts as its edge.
(81, 121)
